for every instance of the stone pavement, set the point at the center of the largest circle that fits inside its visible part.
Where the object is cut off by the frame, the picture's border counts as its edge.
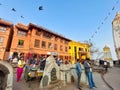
(112, 77)
(97, 79)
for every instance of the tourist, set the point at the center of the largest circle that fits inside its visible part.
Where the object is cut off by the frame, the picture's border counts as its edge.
(78, 71)
(43, 63)
(88, 71)
(105, 66)
(21, 64)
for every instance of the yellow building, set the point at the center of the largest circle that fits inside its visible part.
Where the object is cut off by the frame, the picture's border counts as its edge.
(78, 50)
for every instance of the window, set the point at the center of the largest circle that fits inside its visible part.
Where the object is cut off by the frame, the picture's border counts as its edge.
(20, 42)
(37, 43)
(43, 44)
(61, 40)
(66, 49)
(66, 42)
(61, 47)
(1, 40)
(22, 33)
(49, 45)
(56, 38)
(55, 47)
(80, 49)
(69, 47)
(47, 35)
(2, 29)
(38, 32)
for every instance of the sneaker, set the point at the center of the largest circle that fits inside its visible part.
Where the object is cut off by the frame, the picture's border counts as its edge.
(94, 87)
(91, 89)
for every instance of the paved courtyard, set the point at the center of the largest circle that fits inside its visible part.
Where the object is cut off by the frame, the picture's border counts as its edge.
(112, 77)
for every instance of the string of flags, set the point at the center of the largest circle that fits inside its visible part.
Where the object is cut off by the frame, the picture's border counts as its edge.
(98, 28)
(14, 10)
(96, 31)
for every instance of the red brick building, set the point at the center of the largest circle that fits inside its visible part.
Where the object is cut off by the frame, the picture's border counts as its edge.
(38, 40)
(6, 33)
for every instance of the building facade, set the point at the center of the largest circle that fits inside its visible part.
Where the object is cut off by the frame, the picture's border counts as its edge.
(6, 32)
(33, 39)
(79, 50)
(38, 40)
(116, 34)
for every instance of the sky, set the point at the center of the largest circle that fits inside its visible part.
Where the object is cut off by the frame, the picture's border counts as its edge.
(77, 20)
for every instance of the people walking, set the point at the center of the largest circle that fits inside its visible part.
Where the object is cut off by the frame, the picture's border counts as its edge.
(88, 71)
(78, 71)
(105, 66)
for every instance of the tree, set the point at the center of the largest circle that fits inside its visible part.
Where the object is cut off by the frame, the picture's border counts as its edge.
(93, 50)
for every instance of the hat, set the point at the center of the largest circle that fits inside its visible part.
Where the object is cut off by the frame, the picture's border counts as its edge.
(48, 53)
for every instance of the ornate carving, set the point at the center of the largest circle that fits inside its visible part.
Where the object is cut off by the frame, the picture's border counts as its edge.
(45, 81)
(53, 75)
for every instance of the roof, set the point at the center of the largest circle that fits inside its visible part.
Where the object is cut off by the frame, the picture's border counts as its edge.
(31, 25)
(21, 26)
(5, 22)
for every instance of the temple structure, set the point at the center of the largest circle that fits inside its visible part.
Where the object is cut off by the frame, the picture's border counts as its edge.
(107, 55)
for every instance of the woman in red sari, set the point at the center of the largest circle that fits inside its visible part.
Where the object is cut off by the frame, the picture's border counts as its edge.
(20, 67)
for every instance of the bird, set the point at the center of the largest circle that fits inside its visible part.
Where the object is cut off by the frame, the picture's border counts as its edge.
(22, 17)
(13, 9)
(40, 7)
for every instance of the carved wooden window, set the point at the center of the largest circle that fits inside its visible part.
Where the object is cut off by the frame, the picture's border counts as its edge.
(56, 38)
(1, 40)
(66, 42)
(43, 44)
(61, 40)
(47, 35)
(66, 49)
(61, 48)
(38, 32)
(22, 33)
(50, 45)
(20, 43)
(3, 29)
(37, 43)
(55, 46)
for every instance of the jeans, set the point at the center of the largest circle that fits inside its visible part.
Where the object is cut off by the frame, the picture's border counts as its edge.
(79, 77)
(90, 80)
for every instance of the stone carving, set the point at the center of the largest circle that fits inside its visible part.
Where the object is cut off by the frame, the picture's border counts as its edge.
(53, 75)
(51, 70)
(6, 74)
(45, 81)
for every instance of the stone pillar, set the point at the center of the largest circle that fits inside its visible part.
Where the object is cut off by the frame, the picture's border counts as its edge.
(65, 74)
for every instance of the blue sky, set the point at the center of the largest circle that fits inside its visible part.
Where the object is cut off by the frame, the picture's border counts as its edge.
(75, 19)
